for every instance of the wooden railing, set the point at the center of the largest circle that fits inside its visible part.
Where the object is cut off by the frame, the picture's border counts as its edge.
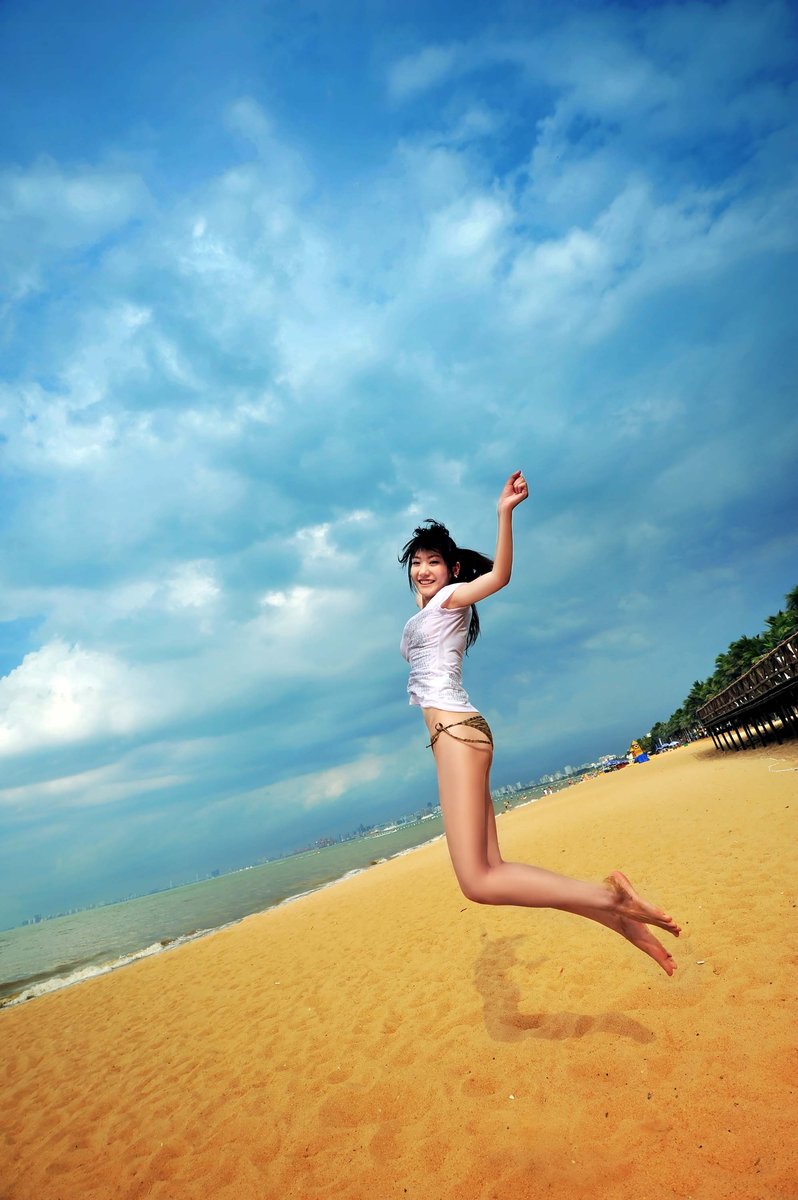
(772, 673)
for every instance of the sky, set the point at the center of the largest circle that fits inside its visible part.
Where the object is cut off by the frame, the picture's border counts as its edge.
(280, 280)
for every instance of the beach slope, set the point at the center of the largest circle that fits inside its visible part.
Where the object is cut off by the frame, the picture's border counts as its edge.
(387, 1038)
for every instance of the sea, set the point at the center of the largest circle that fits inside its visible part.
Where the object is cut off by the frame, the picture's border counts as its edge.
(52, 954)
(43, 957)
(39, 958)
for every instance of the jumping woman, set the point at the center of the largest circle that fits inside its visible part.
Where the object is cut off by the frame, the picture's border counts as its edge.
(448, 582)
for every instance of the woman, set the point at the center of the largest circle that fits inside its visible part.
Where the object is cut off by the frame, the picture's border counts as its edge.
(448, 582)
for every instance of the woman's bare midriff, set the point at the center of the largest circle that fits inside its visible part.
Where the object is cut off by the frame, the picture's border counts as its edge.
(444, 716)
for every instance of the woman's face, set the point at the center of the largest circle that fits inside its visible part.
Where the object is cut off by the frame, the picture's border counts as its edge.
(428, 573)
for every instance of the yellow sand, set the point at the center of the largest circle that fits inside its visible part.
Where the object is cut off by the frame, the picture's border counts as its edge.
(386, 1038)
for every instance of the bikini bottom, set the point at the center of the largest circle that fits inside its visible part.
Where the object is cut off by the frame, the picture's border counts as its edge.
(477, 722)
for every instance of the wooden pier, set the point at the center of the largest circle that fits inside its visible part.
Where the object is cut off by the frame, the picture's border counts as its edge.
(760, 706)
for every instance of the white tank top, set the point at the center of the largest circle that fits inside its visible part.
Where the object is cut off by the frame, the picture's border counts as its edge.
(433, 642)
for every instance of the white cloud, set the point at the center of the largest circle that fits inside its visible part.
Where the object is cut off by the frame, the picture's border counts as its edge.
(321, 788)
(64, 694)
(469, 229)
(419, 72)
(284, 165)
(47, 210)
(298, 636)
(325, 786)
(51, 431)
(298, 598)
(193, 585)
(558, 282)
(102, 785)
(314, 542)
(478, 121)
(620, 642)
(70, 208)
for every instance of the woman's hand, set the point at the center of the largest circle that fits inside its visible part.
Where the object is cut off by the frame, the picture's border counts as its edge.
(514, 492)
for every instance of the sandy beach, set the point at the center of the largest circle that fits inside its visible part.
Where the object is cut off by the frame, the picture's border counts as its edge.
(387, 1038)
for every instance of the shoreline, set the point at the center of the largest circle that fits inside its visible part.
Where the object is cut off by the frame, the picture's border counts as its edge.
(38, 987)
(71, 969)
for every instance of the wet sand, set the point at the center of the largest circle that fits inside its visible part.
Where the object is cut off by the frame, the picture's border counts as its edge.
(387, 1038)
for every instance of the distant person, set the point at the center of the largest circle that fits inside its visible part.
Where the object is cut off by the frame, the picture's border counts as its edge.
(448, 582)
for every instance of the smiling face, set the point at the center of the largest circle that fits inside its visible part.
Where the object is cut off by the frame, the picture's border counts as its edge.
(429, 573)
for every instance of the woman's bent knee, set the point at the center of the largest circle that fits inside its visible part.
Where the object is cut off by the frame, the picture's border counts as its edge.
(478, 888)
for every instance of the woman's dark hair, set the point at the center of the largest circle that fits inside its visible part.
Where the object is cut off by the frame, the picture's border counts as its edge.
(434, 536)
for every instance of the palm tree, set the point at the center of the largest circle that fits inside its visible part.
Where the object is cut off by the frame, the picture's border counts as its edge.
(730, 665)
(698, 696)
(783, 623)
(740, 655)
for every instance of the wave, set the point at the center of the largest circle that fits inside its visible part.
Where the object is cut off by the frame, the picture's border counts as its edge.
(17, 991)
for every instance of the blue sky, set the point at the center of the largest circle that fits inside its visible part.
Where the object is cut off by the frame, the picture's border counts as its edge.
(281, 280)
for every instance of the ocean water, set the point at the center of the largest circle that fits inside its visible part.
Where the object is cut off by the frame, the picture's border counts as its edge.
(35, 959)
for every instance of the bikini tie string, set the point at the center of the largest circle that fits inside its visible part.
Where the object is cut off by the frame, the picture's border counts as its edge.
(476, 722)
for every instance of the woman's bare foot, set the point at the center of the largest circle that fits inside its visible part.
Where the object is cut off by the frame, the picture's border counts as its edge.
(642, 937)
(634, 931)
(633, 907)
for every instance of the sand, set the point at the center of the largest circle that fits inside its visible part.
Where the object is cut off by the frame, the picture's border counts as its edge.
(387, 1038)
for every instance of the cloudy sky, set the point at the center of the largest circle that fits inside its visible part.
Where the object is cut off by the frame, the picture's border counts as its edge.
(281, 279)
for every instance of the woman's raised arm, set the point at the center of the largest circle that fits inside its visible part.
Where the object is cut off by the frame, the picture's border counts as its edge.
(514, 492)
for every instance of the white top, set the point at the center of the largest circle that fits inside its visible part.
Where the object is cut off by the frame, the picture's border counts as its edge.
(433, 642)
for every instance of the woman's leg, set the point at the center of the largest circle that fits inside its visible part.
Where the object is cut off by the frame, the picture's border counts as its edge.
(484, 877)
(494, 854)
